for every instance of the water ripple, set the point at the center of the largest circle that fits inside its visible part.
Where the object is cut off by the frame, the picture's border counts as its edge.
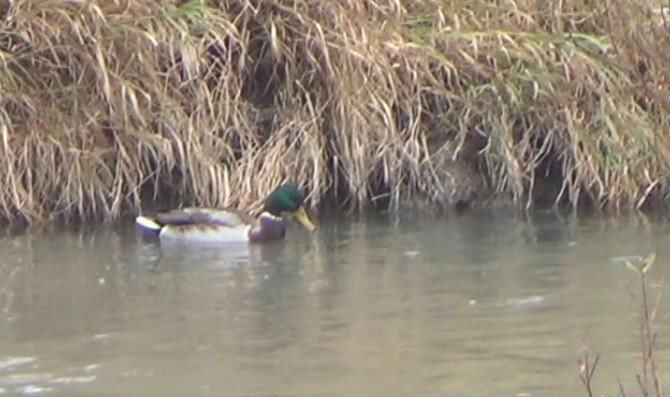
(11, 363)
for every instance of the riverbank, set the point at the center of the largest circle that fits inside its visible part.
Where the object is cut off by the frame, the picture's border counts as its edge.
(109, 105)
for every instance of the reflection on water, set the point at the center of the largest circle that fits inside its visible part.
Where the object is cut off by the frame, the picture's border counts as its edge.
(481, 304)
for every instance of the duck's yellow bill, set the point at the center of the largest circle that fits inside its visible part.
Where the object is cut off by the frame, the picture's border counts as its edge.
(302, 217)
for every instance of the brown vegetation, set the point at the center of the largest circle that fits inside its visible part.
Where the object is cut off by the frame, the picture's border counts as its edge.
(105, 103)
(649, 382)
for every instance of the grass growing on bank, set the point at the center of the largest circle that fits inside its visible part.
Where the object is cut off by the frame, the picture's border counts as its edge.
(107, 103)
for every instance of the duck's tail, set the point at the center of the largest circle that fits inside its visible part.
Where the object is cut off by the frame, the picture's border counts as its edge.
(148, 223)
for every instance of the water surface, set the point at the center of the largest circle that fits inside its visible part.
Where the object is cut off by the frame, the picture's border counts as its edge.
(482, 304)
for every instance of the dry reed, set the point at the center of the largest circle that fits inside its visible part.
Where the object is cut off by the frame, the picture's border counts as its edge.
(649, 382)
(107, 103)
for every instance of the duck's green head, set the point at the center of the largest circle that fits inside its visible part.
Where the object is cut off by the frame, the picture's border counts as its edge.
(287, 198)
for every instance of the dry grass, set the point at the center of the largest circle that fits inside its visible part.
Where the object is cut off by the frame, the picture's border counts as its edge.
(105, 103)
(649, 381)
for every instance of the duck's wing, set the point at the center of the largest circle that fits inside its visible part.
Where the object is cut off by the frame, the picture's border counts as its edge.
(199, 225)
(204, 217)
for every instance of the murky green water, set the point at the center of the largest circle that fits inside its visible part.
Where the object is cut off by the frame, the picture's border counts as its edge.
(482, 304)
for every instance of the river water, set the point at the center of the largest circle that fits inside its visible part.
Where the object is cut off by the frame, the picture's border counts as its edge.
(481, 304)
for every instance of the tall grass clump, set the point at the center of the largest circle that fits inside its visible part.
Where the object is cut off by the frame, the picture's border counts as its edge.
(108, 103)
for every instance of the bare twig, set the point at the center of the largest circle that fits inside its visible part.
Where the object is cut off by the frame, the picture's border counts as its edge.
(647, 333)
(586, 371)
(621, 389)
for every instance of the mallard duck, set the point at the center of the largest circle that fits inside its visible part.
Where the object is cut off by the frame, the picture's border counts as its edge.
(230, 225)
